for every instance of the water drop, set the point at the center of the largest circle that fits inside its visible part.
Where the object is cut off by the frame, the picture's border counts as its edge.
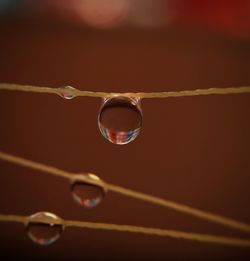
(66, 92)
(120, 119)
(44, 233)
(88, 190)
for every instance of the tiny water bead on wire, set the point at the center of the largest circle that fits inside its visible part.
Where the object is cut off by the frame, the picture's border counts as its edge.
(117, 108)
(44, 233)
(66, 92)
(120, 119)
(88, 190)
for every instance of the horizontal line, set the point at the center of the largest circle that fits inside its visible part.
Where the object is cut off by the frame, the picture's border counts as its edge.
(75, 92)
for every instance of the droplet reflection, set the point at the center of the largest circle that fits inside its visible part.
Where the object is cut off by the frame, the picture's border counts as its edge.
(120, 119)
(44, 233)
(88, 190)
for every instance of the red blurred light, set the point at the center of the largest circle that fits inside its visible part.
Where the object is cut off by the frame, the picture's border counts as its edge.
(223, 15)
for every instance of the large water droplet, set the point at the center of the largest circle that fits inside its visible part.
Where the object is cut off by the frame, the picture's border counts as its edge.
(66, 92)
(44, 233)
(120, 119)
(88, 190)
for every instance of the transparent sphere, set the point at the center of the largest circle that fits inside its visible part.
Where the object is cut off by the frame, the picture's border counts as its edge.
(44, 233)
(120, 119)
(88, 190)
(66, 92)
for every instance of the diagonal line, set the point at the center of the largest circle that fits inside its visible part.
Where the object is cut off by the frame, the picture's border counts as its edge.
(204, 238)
(133, 194)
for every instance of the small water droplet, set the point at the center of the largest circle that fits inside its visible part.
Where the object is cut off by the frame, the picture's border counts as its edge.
(88, 190)
(66, 92)
(44, 233)
(120, 119)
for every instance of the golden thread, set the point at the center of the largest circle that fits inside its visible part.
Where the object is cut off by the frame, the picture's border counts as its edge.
(35, 165)
(75, 92)
(155, 200)
(205, 238)
(182, 208)
(133, 194)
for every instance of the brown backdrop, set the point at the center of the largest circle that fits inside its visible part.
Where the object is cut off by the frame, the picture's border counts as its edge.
(192, 150)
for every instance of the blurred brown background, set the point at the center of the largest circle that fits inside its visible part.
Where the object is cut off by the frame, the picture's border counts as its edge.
(193, 150)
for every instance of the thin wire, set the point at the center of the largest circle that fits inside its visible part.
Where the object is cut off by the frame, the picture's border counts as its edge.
(205, 238)
(133, 194)
(182, 208)
(35, 165)
(75, 92)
